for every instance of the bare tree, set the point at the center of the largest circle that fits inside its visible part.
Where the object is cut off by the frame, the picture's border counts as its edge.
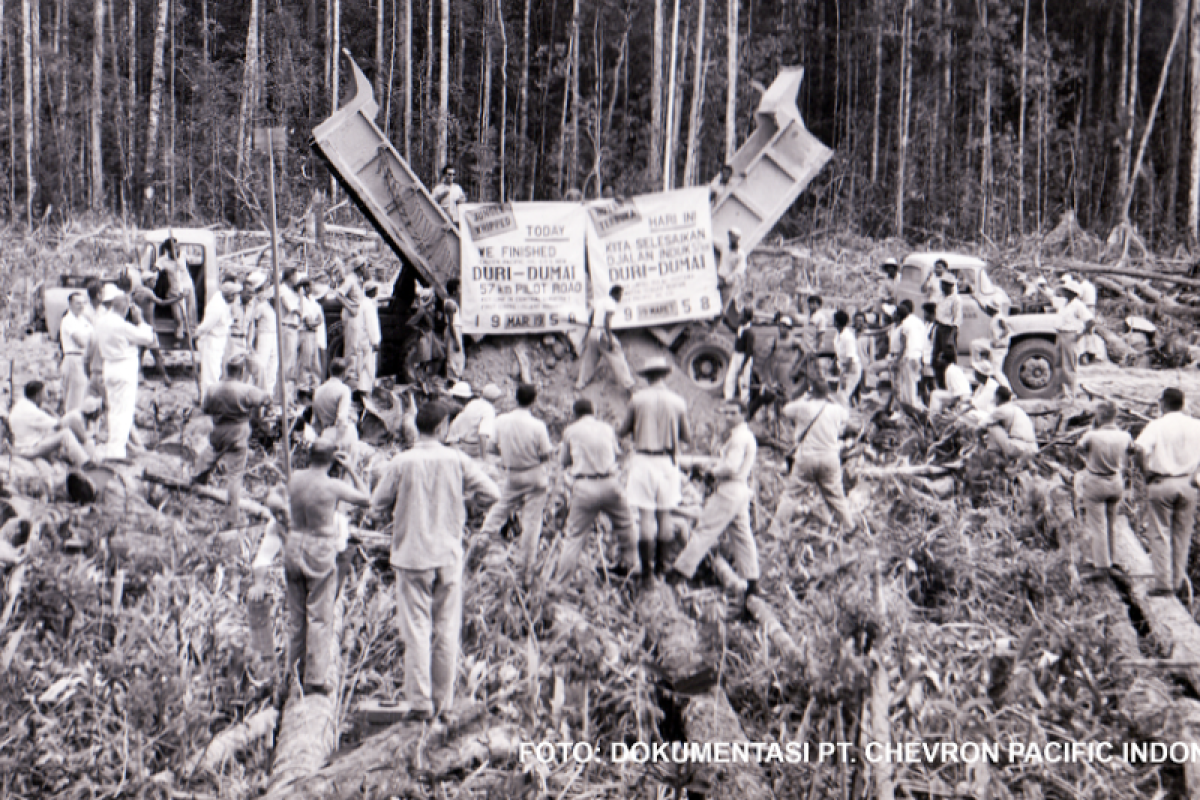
(669, 149)
(1021, 118)
(573, 157)
(249, 92)
(1128, 104)
(876, 120)
(691, 164)
(656, 92)
(985, 111)
(731, 38)
(97, 155)
(27, 108)
(523, 102)
(503, 96)
(443, 118)
(408, 79)
(1194, 187)
(156, 95)
(902, 113)
(379, 47)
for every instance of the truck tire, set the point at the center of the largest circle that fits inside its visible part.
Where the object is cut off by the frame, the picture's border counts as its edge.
(705, 360)
(1033, 370)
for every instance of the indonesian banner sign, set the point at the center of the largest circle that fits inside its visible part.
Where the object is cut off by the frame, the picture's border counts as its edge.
(659, 249)
(523, 267)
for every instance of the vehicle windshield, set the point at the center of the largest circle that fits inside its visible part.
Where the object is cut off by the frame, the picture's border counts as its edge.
(985, 283)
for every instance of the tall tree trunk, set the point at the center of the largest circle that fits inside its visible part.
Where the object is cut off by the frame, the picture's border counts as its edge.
(656, 98)
(675, 119)
(149, 172)
(622, 51)
(485, 105)
(97, 157)
(35, 42)
(669, 149)
(427, 113)
(408, 80)
(118, 96)
(503, 156)
(391, 78)
(1127, 198)
(1021, 118)
(876, 118)
(563, 130)
(576, 46)
(1175, 127)
(204, 32)
(1126, 147)
(311, 20)
(131, 95)
(985, 170)
(249, 99)
(1194, 94)
(902, 113)
(694, 118)
(335, 51)
(523, 108)
(443, 118)
(731, 80)
(379, 48)
(27, 107)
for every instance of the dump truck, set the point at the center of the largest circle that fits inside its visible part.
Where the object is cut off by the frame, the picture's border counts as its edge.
(770, 170)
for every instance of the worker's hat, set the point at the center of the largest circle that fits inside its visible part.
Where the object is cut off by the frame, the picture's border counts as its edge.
(984, 368)
(462, 390)
(303, 280)
(889, 262)
(324, 446)
(1140, 324)
(111, 292)
(231, 287)
(734, 231)
(655, 364)
(786, 321)
(256, 280)
(492, 393)
(1071, 285)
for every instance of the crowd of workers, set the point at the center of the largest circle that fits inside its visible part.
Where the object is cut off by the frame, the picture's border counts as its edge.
(426, 492)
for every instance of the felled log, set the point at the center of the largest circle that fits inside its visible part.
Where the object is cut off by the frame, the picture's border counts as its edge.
(308, 734)
(246, 504)
(405, 759)
(707, 717)
(1069, 265)
(1170, 622)
(229, 743)
(759, 607)
(1160, 303)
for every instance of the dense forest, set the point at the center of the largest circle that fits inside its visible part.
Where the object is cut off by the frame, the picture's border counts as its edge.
(951, 119)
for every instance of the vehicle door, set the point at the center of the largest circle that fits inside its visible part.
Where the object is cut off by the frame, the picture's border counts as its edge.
(976, 324)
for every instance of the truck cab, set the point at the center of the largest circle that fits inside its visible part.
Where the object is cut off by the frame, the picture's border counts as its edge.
(1032, 364)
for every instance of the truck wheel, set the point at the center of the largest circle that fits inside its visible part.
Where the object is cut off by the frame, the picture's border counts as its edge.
(705, 360)
(1032, 369)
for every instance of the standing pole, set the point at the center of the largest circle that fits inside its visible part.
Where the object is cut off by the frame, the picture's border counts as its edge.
(283, 394)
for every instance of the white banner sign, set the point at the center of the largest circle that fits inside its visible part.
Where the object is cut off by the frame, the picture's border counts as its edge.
(659, 249)
(522, 267)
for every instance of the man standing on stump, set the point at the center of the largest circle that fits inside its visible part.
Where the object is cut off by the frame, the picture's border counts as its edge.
(657, 421)
(1169, 453)
(602, 341)
(426, 488)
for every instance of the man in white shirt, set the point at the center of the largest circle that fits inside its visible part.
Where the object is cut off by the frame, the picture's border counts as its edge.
(370, 365)
(728, 508)
(958, 387)
(1009, 430)
(38, 434)
(212, 335)
(74, 333)
(474, 424)
(448, 194)
(1169, 453)
(262, 335)
(118, 342)
(820, 425)
(912, 341)
(1074, 320)
(948, 317)
(932, 287)
(601, 341)
(289, 303)
(308, 351)
(849, 360)
(732, 267)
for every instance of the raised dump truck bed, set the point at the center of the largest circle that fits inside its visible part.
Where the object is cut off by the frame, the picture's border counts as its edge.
(385, 188)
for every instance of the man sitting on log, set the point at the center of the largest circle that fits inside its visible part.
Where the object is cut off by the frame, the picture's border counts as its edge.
(425, 488)
(310, 562)
(36, 433)
(1009, 430)
(729, 506)
(231, 403)
(1169, 453)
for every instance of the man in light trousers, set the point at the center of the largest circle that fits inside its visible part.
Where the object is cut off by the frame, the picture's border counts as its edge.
(1169, 453)
(118, 342)
(728, 508)
(589, 450)
(1100, 485)
(426, 488)
(74, 332)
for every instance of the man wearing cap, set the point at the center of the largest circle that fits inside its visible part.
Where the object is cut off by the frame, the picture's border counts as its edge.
(1100, 485)
(601, 341)
(231, 403)
(333, 408)
(310, 563)
(1074, 320)
(523, 443)
(74, 333)
(1168, 451)
(308, 351)
(212, 335)
(425, 488)
(948, 317)
(732, 266)
(474, 424)
(728, 508)
(262, 335)
(983, 401)
(1009, 430)
(589, 453)
(891, 271)
(36, 433)
(657, 421)
(118, 342)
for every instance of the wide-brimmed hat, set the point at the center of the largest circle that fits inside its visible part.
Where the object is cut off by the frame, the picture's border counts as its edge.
(983, 368)
(256, 280)
(889, 262)
(111, 292)
(1141, 324)
(231, 287)
(1071, 285)
(492, 393)
(734, 231)
(461, 390)
(655, 364)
